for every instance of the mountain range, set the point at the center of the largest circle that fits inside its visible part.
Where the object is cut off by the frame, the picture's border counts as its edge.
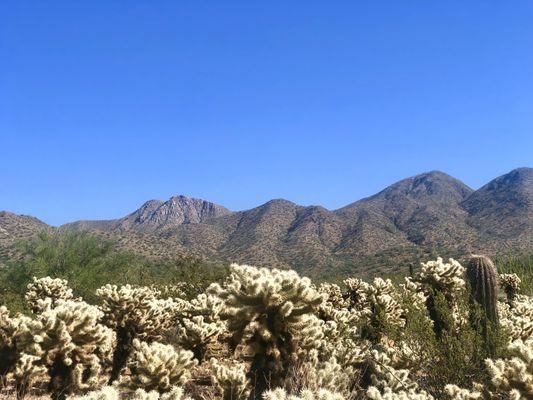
(413, 219)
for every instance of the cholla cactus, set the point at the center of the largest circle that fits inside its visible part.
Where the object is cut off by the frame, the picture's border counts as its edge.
(267, 310)
(159, 367)
(196, 334)
(514, 376)
(388, 394)
(412, 293)
(334, 300)
(44, 293)
(321, 394)
(443, 277)
(106, 393)
(518, 319)
(439, 279)
(355, 293)
(72, 345)
(134, 313)
(375, 305)
(388, 380)
(457, 393)
(199, 324)
(230, 380)
(9, 331)
(175, 393)
(510, 283)
(385, 372)
(510, 378)
(28, 371)
(381, 308)
(206, 305)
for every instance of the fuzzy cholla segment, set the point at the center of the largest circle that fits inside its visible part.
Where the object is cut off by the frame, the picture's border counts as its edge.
(510, 378)
(138, 308)
(389, 394)
(514, 376)
(380, 298)
(8, 328)
(441, 276)
(517, 317)
(159, 367)
(510, 283)
(321, 394)
(230, 380)
(176, 393)
(106, 393)
(44, 293)
(70, 334)
(457, 393)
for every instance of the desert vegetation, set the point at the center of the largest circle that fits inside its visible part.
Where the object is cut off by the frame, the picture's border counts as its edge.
(447, 332)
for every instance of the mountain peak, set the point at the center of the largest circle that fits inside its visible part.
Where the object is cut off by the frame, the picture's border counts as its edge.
(177, 210)
(507, 198)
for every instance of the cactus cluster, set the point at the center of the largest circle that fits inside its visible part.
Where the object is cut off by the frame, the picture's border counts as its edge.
(271, 334)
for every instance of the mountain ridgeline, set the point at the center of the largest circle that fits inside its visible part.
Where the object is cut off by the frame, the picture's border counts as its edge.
(416, 218)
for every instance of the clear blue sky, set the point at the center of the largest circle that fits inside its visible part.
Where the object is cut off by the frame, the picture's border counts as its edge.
(106, 104)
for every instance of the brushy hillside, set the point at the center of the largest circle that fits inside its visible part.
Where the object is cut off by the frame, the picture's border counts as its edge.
(447, 332)
(88, 262)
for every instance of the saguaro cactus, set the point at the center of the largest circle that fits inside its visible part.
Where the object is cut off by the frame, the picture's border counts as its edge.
(484, 283)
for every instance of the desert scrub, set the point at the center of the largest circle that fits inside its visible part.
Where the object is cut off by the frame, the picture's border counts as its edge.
(267, 312)
(285, 338)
